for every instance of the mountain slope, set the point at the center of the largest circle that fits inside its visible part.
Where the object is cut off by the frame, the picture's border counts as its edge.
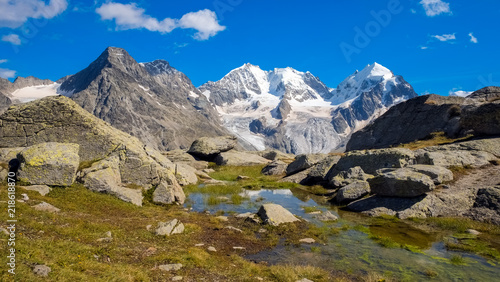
(151, 101)
(295, 112)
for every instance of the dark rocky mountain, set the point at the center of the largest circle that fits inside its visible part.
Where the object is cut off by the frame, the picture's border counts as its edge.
(417, 118)
(152, 101)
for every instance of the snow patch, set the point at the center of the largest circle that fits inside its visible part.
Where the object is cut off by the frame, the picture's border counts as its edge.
(31, 93)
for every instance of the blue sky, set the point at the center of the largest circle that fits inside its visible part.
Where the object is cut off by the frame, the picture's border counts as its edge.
(438, 46)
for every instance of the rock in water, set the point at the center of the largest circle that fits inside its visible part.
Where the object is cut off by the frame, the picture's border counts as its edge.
(403, 182)
(49, 164)
(208, 147)
(275, 214)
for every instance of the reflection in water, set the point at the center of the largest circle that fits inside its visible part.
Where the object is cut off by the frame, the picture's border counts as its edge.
(353, 251)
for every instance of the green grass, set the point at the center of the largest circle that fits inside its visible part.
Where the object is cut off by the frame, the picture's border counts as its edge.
(434, 139)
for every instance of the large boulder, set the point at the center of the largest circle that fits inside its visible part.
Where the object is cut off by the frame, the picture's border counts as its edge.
(208, 147)
(104, 177)
(274, 214)
(487, 205)
(318, 173)
(438, 174)
(275, 168)
(372, 160)
(475, 153)
(299, 177)
(235, 158)
(167, 193)
(353, 191)
(349, 176)
(404, 182)
(59, 119)
(275, 155)
(49, 164)
(303, 162)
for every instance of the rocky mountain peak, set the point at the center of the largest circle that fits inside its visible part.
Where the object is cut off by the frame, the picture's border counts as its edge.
(158, 67)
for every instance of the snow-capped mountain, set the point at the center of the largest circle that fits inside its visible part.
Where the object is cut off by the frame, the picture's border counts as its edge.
(295, 112)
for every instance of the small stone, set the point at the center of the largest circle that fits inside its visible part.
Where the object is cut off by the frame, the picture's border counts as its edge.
(150, 251)
(43, 206)
(199, 245)
(242, 177)
(245, 215)
(238, 248)
(170, 267)
(105, 240)
(3, 230)
(171, 227)
(304, 280)
(108, 234)
(233, 229)
(207, 212)
(473, 232)
(148, 227)
(307, 241)
(211, 249)
(262, 230)
(42, 189)
(259, 278)
(42, 270)
(222, 218)
(25, 197)
(177, 278)
(223, 198)
(314, 212)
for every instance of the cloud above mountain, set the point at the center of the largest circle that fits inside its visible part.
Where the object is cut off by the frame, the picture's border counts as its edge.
(435, 7)
(130, 16)
(14, 14)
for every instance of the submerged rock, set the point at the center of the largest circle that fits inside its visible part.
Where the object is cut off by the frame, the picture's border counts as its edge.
(274, 214)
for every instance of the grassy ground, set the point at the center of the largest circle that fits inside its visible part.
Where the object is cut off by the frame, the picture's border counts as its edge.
(435, 138)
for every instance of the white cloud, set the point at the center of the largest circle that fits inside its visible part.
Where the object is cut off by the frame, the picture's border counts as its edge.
(129, 16)
(473, 39)
(12, 38)
(413, 11)
(204, 21)
(3, 61)
(14, 14)
(6, 73)
(445, 37)
(424, 47)
(459, 93)
(435, 7)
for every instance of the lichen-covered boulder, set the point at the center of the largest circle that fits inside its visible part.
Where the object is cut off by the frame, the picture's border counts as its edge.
(404, 182)
(49, 164)
(438, 174)
(372, 160)
(104, 176)
(319, 172)
(349, 176)
(167, 193)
